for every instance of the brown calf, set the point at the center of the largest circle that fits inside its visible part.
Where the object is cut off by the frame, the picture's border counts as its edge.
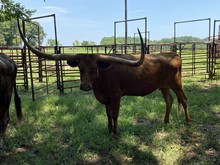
(113, 76)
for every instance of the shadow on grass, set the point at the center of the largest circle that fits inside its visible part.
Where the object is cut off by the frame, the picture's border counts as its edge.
(202, 137)
(73, 130)
(60, 131)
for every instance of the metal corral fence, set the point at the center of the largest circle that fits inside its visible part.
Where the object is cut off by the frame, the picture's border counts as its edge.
(199, 60)
(195, 57)
(18, 55)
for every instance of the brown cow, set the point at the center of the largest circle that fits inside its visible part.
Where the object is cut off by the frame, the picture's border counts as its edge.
(111, 77)
(8, 71)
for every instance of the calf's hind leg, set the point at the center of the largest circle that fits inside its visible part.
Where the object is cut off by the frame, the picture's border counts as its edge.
(183, 100)
(169, 101)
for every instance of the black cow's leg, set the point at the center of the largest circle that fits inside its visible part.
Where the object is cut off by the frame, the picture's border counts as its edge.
(4, 117)
(169, 101)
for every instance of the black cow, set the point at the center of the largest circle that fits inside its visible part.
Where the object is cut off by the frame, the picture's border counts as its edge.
(8, 71)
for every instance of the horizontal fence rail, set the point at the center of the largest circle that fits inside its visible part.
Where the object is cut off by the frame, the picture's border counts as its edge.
(200, 60)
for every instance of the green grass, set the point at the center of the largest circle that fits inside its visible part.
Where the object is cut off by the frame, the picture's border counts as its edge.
(72, 129)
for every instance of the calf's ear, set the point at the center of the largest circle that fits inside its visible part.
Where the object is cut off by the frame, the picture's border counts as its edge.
(73, 63)
(103, 65)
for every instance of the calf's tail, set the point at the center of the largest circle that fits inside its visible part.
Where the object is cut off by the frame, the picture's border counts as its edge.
(18, 106)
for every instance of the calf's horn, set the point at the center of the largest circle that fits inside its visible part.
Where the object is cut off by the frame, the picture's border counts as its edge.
(77, 56)
(45, 55)
(125, 61)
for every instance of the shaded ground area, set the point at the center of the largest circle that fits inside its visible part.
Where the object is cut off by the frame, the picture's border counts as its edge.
(69, 129)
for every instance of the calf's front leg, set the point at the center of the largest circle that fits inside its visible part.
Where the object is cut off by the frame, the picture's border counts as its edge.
(112, 111)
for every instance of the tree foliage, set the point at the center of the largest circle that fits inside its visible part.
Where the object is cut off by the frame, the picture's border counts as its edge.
(83, 43)
(32, 33)
(52, 42)
(7, 31)
(9, 35)
(179, 39)
(87, 43)
(10, 10)
(2, 40)
(76, 43)
(121, 40)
